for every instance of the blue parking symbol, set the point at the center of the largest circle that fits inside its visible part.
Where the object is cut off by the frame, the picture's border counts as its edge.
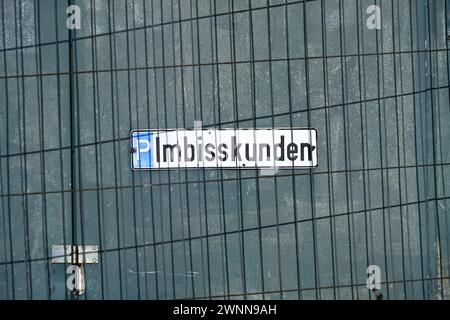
(142, 153)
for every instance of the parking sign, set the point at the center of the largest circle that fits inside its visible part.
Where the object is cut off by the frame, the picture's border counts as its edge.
(142, 143)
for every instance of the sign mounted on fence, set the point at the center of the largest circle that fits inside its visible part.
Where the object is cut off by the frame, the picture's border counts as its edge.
(223, 148)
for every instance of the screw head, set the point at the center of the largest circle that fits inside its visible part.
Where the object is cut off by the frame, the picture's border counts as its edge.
(94, 248)
(94, 260)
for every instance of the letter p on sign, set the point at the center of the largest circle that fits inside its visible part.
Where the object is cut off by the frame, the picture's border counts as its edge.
(142, 153)
(143, 146)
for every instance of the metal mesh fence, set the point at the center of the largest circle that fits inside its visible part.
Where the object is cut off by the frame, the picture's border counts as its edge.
(379, 99)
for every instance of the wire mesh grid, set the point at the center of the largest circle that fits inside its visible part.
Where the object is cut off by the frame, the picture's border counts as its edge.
(379, 99)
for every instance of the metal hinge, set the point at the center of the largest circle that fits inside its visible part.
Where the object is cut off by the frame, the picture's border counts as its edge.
(75, 255)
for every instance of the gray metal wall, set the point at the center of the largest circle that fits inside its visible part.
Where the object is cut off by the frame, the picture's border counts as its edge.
(378, 98)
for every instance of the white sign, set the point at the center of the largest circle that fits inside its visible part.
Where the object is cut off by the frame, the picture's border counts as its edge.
(224, 148)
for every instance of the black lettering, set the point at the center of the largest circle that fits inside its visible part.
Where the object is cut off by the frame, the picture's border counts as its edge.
(209, 151)
(222, 151)
(188, 147)
(247, 152)
(310, 149)
(158, 156)
(235, 149)
(281, 147)
(199, 148)
(171, 149)
(261, 147)
(292, 150)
